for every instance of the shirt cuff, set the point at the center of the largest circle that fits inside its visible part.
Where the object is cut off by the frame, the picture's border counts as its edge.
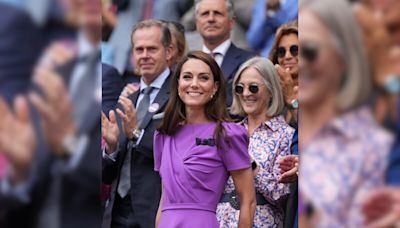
(78, 149)
(112, 156)
(18, 192)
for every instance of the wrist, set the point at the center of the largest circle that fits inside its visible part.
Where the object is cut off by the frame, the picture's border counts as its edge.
(135, 134)
(69, 144)
(110, 148)
(292, 103)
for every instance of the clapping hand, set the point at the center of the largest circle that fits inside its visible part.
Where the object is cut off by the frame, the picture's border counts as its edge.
(110, 131)
(17, 137)
(289, 168)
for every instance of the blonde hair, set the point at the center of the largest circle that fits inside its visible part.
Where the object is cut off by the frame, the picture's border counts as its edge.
(271, 79)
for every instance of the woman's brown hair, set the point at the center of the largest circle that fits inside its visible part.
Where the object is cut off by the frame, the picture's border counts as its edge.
(215, 109)
(284, 30)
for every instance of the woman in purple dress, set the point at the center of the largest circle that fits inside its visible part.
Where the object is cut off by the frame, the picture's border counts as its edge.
(196, 149)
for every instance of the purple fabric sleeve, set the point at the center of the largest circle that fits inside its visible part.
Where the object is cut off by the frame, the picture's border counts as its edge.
(235, 154)
(157, 149)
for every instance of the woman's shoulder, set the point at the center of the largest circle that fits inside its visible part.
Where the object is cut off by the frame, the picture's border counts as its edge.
(232, 128)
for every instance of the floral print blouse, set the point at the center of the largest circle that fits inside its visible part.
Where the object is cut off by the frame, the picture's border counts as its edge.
(345, 160)
(267, 145)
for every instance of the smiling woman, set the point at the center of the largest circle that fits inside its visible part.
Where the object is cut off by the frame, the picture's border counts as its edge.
(286, 48)
(196, 149)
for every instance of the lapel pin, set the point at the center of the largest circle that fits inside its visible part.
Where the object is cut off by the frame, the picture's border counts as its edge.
(153, 107)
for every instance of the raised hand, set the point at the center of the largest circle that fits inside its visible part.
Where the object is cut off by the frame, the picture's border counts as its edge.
(55, 108)
(289, 88)
(110, 131)
(57, 54)
(17, 137)
(128, 116)
(382, 208)
(289, 168)
(129, 89)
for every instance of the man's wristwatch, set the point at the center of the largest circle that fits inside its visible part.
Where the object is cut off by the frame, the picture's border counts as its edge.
(69, 145)
(136, 134)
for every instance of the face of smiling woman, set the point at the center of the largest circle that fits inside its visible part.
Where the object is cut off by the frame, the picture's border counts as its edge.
(196, 84)
(254, 104)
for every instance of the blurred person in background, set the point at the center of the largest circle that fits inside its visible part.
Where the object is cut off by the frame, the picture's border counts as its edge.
(129, 13)
(242, 11)
(20, 45)
(380, 23)
(267, 17)
(284, 54)
(288, 165)
(285, 49)
(258, 96)
(112, 86)
(196, 149)
(178, 43)
(344, 152)
(53, 185)
(214, 21)
(128, 164)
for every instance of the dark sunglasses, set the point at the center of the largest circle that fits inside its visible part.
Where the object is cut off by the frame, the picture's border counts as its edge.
(294, 51)
(253, 88)
(309, 51)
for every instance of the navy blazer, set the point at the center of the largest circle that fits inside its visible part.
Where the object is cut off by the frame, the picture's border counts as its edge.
(80, 204)
(233, 59)
(112, 86)
(145, 182)
(20, 45)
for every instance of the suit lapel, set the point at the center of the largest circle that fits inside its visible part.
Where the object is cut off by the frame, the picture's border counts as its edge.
(229, 62)
(160, 100)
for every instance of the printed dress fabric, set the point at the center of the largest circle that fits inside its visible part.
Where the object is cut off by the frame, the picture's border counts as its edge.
(267, 145)
(345, 161)
(193, 176)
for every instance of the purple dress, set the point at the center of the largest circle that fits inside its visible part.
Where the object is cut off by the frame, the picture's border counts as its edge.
(193, 176)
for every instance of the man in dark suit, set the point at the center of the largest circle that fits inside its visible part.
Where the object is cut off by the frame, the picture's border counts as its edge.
(214, 21)
(128, 163)
(112, 85)
(20, 43)
(60, 185)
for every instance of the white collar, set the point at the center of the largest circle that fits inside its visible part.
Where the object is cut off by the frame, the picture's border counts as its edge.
(84, 45)
(158, 82)
(221, 49)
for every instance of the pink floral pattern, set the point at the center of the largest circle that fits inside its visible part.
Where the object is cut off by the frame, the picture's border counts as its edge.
(341, 165)
(267, 145)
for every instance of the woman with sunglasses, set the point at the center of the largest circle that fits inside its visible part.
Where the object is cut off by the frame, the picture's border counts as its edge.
(285, 49)
(258, 96)
(196, 149)
(284, 55)
(344, 151)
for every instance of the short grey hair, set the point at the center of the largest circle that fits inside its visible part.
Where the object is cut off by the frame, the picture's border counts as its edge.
(271, 79)
(166, 33)
(340, 20)
(228, 4)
